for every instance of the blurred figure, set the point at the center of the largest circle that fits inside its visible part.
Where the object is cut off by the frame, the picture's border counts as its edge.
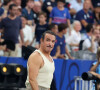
(85, 16)
(55, 52)
(60, 41)
(54, 28)
(60, 14)
(27, 31)
(48, 6)
(12, 25)
(19, 11)
(4, 8)
(95, 70)
(97, 13)
(36, 10)
(27, 11)
(75, 37)
(77, 5)
(91, 42)
(41, 27)
(17, 2)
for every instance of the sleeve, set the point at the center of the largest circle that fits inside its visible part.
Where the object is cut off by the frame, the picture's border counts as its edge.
(86, 44)
(36, 30)
(20, 24)
(79, 16)
(52, 13)
(69, 39)
(68, 14)
(2, 24)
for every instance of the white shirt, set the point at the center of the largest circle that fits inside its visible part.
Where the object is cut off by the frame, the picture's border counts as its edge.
(27, 31)
(74, 39)
(75, 5)
(87, 44)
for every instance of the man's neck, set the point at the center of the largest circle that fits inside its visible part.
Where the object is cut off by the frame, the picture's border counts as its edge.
(42, 23)
(60, 8)
(60, 34)
(12, 17)
(85, 10)
(45, 53)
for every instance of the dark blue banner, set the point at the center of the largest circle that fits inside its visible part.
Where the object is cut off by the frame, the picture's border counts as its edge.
(65, 70)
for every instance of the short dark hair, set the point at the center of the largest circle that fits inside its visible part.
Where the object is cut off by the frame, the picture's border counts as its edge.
(62, 26)
(47, 32)
(61, 1)
(89, 27)
(11, 6)
(43, 13)
(51, 26)
(6, 2)
(28, 1)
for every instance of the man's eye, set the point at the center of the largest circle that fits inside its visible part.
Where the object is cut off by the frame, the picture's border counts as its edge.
(48, 40)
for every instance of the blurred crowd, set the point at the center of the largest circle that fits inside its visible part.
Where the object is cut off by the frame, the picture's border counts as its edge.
(76, 24)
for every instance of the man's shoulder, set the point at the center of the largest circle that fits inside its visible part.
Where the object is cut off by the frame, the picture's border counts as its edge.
(35, 56)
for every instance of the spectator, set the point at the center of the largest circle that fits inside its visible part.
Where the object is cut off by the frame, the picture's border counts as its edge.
(97, 13)
(48, 6)
(36, 10)
(77, 5)
(19, 11)
(27, 31)
(55, 52)
(60, 41)
(54, 28)
(27, 11)
(85, 16)
(95, 70)
(90, 43)
(60, 14)
(4, 8)
(11, 25)
(41, 27)
(75, 37)
(17, 2)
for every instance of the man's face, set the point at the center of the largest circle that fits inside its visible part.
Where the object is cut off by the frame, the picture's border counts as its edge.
(18, 2)
(48, 42)
(97, 34)
(13, 11)
(87, 4)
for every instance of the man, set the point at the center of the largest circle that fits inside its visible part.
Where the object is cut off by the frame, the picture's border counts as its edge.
(95, 70)
(85, 16)
(92, 38)
(41, 65)
(60, 14)
(27, 31)
(27, 11)
(60, 41)
(11, 26)
(48, 6)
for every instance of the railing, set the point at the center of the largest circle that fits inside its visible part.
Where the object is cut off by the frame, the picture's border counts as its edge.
(80, 84)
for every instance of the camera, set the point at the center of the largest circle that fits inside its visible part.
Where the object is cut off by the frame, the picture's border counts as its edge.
(88, 76)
